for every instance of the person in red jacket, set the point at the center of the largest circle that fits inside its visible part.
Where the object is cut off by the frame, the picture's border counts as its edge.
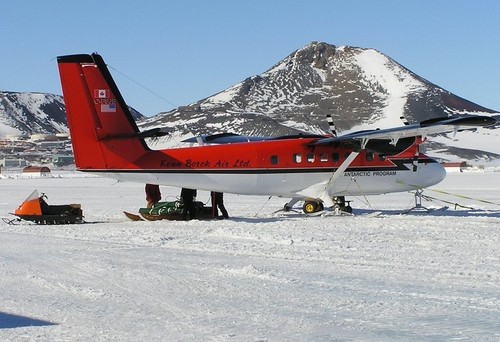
(153, 194)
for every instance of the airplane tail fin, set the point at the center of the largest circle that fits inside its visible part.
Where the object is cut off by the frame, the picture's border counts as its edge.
(103, 132)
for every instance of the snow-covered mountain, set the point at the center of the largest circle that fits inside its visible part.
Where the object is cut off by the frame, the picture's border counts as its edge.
(361, 88)
(28, 113)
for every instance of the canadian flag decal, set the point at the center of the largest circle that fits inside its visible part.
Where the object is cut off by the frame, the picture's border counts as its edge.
(102, 93)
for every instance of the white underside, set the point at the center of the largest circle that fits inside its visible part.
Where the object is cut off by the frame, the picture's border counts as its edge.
(295, 185)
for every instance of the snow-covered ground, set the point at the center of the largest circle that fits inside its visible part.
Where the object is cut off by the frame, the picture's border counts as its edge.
(259, 276)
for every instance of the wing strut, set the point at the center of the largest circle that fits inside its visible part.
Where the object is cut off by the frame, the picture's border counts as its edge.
(321, 190)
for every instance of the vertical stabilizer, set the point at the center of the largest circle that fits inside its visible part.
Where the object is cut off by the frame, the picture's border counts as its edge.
(103, 133)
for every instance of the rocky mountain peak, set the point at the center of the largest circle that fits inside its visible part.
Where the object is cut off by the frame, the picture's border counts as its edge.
(360, 88)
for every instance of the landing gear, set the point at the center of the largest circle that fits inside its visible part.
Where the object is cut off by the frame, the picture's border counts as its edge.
(288, 206)
(310, 207)
(418, 203)
(342, 205)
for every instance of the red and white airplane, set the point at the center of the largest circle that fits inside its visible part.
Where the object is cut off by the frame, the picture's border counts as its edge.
(315, 168)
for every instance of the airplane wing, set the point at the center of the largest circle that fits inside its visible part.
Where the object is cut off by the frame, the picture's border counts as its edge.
(229, 138)
(423, 129)
(388, 141)
(222, 138)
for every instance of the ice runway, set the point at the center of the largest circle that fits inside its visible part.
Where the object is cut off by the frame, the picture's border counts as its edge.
(259, 276)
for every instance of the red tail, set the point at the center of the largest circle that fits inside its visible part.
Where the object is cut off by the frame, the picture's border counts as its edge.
(103, 133)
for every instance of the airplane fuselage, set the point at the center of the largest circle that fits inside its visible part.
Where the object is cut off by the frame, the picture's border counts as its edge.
(280, 167)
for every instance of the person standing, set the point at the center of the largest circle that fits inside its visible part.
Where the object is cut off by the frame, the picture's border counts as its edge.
(218, 201)
(187, 196)
(153, 194)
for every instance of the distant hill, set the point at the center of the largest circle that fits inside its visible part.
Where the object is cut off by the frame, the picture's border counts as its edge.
(29, 113)
(361, 88)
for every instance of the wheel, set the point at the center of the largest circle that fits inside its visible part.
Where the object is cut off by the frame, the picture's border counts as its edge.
(310, 207)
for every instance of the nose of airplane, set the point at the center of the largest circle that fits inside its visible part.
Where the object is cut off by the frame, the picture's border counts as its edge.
(433, 174)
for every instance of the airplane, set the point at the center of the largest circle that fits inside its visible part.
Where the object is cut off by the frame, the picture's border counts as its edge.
(317, 169)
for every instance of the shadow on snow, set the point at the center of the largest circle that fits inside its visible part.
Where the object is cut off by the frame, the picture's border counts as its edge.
(8, 321)
(433, 212)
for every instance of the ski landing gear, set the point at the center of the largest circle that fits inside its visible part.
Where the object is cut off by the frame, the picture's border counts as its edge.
(418, 195)
(340, 206)
(418, 203)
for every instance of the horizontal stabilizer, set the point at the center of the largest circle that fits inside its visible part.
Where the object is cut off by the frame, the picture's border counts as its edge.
(153, 133)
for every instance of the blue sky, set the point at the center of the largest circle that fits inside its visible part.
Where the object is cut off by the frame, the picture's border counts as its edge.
(187, 50)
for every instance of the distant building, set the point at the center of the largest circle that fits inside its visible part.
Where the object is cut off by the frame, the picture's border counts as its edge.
(51, 144)
(12, 162)
(62, 160)
(36, 171)
(43, 137)
(456, 166)
(62, 136)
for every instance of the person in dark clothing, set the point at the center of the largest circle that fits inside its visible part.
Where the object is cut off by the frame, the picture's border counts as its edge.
(187, 196)
(153, 194)
(218, 201)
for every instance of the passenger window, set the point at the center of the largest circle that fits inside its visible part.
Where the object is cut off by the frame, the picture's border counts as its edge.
(323, 157)
(310, 157)
(297, 157)
(335, 157)
(274, 160)
(382, 157)
(369, 156)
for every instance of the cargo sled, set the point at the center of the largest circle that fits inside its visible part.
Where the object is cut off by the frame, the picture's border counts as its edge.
(36, 209)
(170, 211)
